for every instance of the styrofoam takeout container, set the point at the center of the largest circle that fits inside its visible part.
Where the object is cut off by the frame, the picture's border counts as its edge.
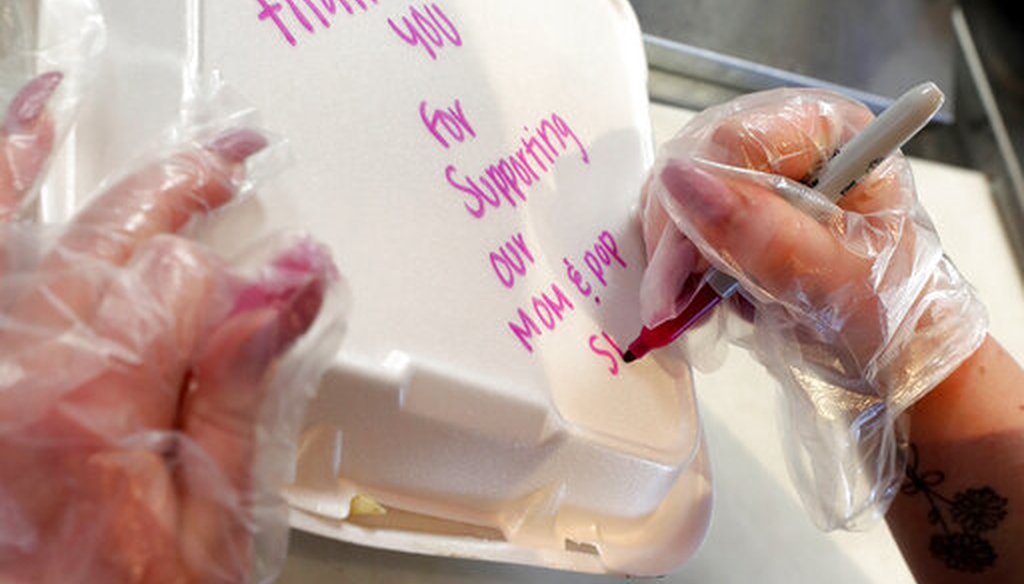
(537, 446)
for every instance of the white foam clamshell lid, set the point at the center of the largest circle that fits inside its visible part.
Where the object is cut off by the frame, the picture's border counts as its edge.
(474, 167)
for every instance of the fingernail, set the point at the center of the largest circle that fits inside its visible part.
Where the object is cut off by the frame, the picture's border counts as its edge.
(30, 103)
(700, 195)
(237, 145)
(294, 285)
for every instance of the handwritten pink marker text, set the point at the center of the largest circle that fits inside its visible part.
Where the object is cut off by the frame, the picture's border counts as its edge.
(322, 11)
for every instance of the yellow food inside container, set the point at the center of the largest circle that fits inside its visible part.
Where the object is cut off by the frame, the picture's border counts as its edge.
(363, 505)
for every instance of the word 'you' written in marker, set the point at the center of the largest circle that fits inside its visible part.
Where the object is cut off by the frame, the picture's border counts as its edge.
(425, 26)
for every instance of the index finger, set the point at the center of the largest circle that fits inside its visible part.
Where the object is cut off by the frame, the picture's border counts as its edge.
(160, 198)
(779, 249)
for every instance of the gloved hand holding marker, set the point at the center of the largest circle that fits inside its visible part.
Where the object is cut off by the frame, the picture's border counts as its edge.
(849, 165)
(858, 313)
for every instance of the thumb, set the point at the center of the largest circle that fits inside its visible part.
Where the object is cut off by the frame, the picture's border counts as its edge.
(222, 412)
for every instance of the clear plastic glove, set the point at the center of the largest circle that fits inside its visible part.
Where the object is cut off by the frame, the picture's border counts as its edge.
(149, 396)
(858, 312)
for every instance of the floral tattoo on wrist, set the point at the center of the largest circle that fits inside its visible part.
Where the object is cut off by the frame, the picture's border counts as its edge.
(963, 519)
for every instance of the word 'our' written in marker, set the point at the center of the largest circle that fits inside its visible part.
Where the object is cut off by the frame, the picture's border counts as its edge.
(511, 260)
(305, 14)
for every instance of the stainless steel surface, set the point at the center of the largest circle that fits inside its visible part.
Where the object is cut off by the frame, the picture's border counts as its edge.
(993, 145)
(996, 27)
(874, 49)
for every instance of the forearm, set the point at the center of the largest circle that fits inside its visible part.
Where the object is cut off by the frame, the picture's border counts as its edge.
(960, 514)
